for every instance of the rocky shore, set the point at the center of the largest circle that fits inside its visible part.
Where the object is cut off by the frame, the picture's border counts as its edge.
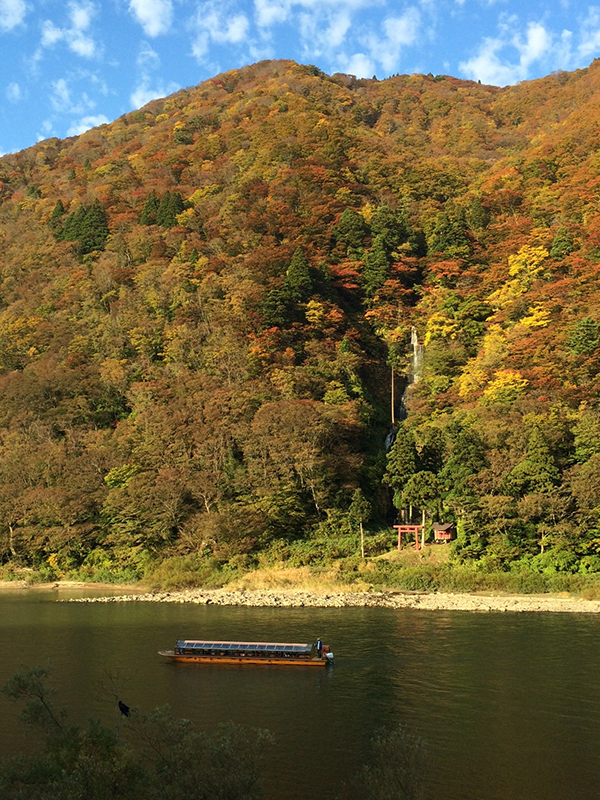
(303, 599)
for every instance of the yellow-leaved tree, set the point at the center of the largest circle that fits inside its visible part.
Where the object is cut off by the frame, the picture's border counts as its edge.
(523, 268)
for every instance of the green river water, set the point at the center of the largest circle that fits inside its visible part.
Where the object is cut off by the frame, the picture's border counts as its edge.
(508, 704)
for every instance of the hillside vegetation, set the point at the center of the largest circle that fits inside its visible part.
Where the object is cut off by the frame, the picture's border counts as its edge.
(201, 303)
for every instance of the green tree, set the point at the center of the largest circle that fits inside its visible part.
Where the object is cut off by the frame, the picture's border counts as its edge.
(56, 215)
(351, 229)
(423, 490)
(88, 226)
(431, 448)
(586, 434)
(585, 336)
(537, 472)
(71, 229)
(401, 465)
(376, 267)
(298, 282)
(449, 234)
(466, 459)
(153, 756)
(275, 309)
(391, 226)
(93, 231)
(171, 204)
(562, 244)
(150, 209)
(360, 511)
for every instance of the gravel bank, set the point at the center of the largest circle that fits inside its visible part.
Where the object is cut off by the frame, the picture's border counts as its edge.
(299, 599)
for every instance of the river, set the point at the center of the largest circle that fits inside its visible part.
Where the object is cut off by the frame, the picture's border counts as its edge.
(508, 705)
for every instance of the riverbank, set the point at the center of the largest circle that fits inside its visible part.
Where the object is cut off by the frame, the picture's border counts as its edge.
(433, 601)
(71, 586)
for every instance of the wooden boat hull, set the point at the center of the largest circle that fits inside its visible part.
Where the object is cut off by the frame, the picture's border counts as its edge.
(280, 662)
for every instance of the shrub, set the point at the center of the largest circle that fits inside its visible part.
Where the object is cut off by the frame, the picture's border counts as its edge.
(179, 572)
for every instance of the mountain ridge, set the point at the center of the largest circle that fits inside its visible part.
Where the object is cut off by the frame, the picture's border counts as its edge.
(200, 304)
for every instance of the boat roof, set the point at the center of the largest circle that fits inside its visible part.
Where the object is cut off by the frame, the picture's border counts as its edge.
(286, 647)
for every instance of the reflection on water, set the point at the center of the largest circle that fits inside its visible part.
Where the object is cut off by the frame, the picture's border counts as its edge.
(508, 704)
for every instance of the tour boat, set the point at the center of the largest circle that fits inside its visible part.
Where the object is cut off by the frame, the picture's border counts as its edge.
(203, 652)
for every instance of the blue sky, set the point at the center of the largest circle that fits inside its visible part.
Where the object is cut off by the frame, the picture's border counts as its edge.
(67, 66)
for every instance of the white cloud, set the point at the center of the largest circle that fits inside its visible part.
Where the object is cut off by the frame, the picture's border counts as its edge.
(47, 130)
(81, 16)
(490, 66)
(147, 59)
(214, 23)
(155, 16)
(51, 34)
(359, 65)
(590, 34)
(320, 34)
(331, 29)
(275, 12)
(234, 31)
(61, 96)
(12, 13)
(13, 92)
(76, 34)
(144, 93)
(61, 99)
(269, 13)
(398, 32)
(537, 44)
(403, 30)
(85, 123)
(146, 90)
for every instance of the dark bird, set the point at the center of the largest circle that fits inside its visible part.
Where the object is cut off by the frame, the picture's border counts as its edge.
(125, 710)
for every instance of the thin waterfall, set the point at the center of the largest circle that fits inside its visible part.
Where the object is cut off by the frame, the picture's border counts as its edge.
(415, 367)
(416, 358)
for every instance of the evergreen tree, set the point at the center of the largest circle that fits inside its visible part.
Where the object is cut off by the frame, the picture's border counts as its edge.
(72, 228)
(586, 435)
(298, 282)
(431, 449)
(275, 309)
(449, 234)
(150, 209)
(585, 336)
(401, 464)
(93, 231)
(359, 512)
(423, 490)
(171, 204)
(86, 226)
(351, 229)
(56, 216)
(537, 472)
(465, 460)
(391, 226)
(562, 244)
(376, 267)
(163, 215)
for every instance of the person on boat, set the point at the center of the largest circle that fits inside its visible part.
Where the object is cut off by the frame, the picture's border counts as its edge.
(319, 647)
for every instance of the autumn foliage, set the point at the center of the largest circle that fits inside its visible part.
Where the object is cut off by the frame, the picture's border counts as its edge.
(200, 304)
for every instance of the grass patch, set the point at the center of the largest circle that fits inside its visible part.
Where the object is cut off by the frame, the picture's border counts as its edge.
(183, 572)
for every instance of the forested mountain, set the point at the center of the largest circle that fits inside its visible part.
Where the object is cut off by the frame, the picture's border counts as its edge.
(200, 304)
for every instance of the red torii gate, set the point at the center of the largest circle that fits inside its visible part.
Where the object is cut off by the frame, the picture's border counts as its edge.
(414, 530)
